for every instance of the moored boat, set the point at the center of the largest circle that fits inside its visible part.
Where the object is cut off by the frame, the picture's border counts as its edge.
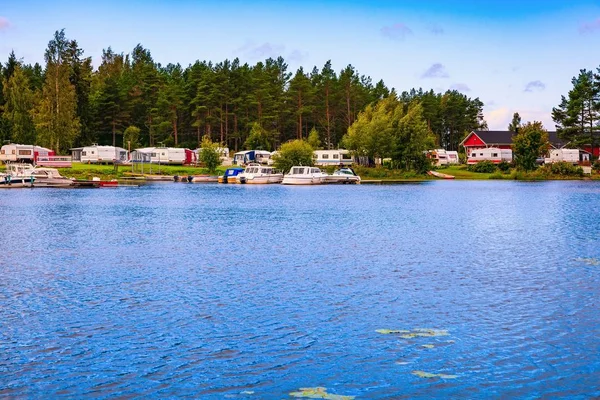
(343, 176)
(300, 175)
(440, 175)
(259, 174)
(50, 177)
(230, 175)
(17, 176)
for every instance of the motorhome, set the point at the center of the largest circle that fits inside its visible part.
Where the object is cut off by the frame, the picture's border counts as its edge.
(572, 156)
(333, 157)
(28, 153)
(493, 154)
(96, 154)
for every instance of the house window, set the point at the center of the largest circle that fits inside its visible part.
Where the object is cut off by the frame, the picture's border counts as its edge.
(336, 156)
(494, 154)
(325, 156)
(83, 153)
(474, 155)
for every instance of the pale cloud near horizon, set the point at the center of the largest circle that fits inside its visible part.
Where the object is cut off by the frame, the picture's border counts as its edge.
(535, 86)
(436, 29)
(500, 118)
(397, 31)
(297, 56)
(4, 24)
(590, 27)
(461, 87)
(437, 70)
(265, 50)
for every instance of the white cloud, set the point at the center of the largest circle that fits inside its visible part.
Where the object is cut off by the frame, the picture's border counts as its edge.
(4, 24)
(397, 31)
(535, 86)
(437, 70)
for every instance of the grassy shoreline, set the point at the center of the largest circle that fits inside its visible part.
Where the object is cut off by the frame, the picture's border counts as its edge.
(460, 172)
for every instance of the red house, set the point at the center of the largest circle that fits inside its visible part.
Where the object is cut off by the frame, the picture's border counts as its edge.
(503, 140)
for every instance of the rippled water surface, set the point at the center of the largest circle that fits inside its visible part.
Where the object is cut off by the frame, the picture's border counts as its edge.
(212, 291)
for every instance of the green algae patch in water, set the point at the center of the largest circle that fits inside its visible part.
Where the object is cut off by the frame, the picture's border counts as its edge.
(319, 393)
(421, 332)
(589, 261)
(429, 375)
(390, 331)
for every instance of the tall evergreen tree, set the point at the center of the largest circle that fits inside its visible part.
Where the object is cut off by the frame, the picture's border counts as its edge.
(55, 114)
(515, 124)
(578, 115)
(18, 106)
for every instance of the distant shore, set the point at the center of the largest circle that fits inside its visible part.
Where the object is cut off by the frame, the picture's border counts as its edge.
(368, 175)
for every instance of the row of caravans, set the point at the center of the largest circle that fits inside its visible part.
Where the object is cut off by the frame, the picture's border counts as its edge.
(498, 155)
(339, 157)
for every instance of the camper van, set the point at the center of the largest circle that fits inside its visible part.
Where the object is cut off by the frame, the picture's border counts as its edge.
(333, 157)
(493, 154)
(96, 154)
(572, 156)
(23, 153)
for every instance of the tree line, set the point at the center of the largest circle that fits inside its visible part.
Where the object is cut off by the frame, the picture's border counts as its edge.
(577, 117)
(130, 98)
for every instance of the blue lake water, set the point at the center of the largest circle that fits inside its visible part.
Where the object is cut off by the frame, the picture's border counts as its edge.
(216, 291)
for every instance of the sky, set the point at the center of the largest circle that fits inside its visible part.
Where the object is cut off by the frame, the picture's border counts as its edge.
(515, 56)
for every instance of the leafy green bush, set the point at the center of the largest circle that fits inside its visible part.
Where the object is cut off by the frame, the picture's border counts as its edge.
(562, 169)
(504, 167)
(596, 165)
(485, 166)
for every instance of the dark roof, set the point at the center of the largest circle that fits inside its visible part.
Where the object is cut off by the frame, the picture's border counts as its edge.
(505, 138)
(496, 137)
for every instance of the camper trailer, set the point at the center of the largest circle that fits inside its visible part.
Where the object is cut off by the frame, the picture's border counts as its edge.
(23, 153)
(441, 157)
(96, 154)
(572, 156)
(251, 156)
(492, 154)
(164, 155)
(333, 157)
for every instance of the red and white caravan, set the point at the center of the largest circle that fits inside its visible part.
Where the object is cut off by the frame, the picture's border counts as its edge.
(23, 153)
(493, 154)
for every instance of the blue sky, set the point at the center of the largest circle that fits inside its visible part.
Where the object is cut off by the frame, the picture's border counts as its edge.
(513, 55)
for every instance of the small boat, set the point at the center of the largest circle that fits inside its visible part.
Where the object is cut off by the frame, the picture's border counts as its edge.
(440, 175)
(259, 174)
(95, 183)
(343, 176)
(300, 175)
(230, 175)
(204, 178)
(17, 176)
(50, 177)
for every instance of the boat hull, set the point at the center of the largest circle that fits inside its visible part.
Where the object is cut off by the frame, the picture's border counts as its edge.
(292, 180)
(342, 180)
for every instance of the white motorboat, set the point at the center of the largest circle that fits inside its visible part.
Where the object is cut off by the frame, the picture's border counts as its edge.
(343, 176)
(17, 176)
(300, 175)
(259, 174)
(50, 177)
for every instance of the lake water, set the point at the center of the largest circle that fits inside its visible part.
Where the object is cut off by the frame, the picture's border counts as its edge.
(216, 291)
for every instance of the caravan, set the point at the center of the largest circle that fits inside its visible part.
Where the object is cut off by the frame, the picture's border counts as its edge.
(572, 156)
(99, 154)
(23, 153)
(164, 155)
(251, 156)
(493, 154)
(339, 157)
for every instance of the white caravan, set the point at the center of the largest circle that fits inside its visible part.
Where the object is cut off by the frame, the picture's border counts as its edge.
(96, 154)
(23, 153)
(493, 154)
(572, 156)
(333, 157)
